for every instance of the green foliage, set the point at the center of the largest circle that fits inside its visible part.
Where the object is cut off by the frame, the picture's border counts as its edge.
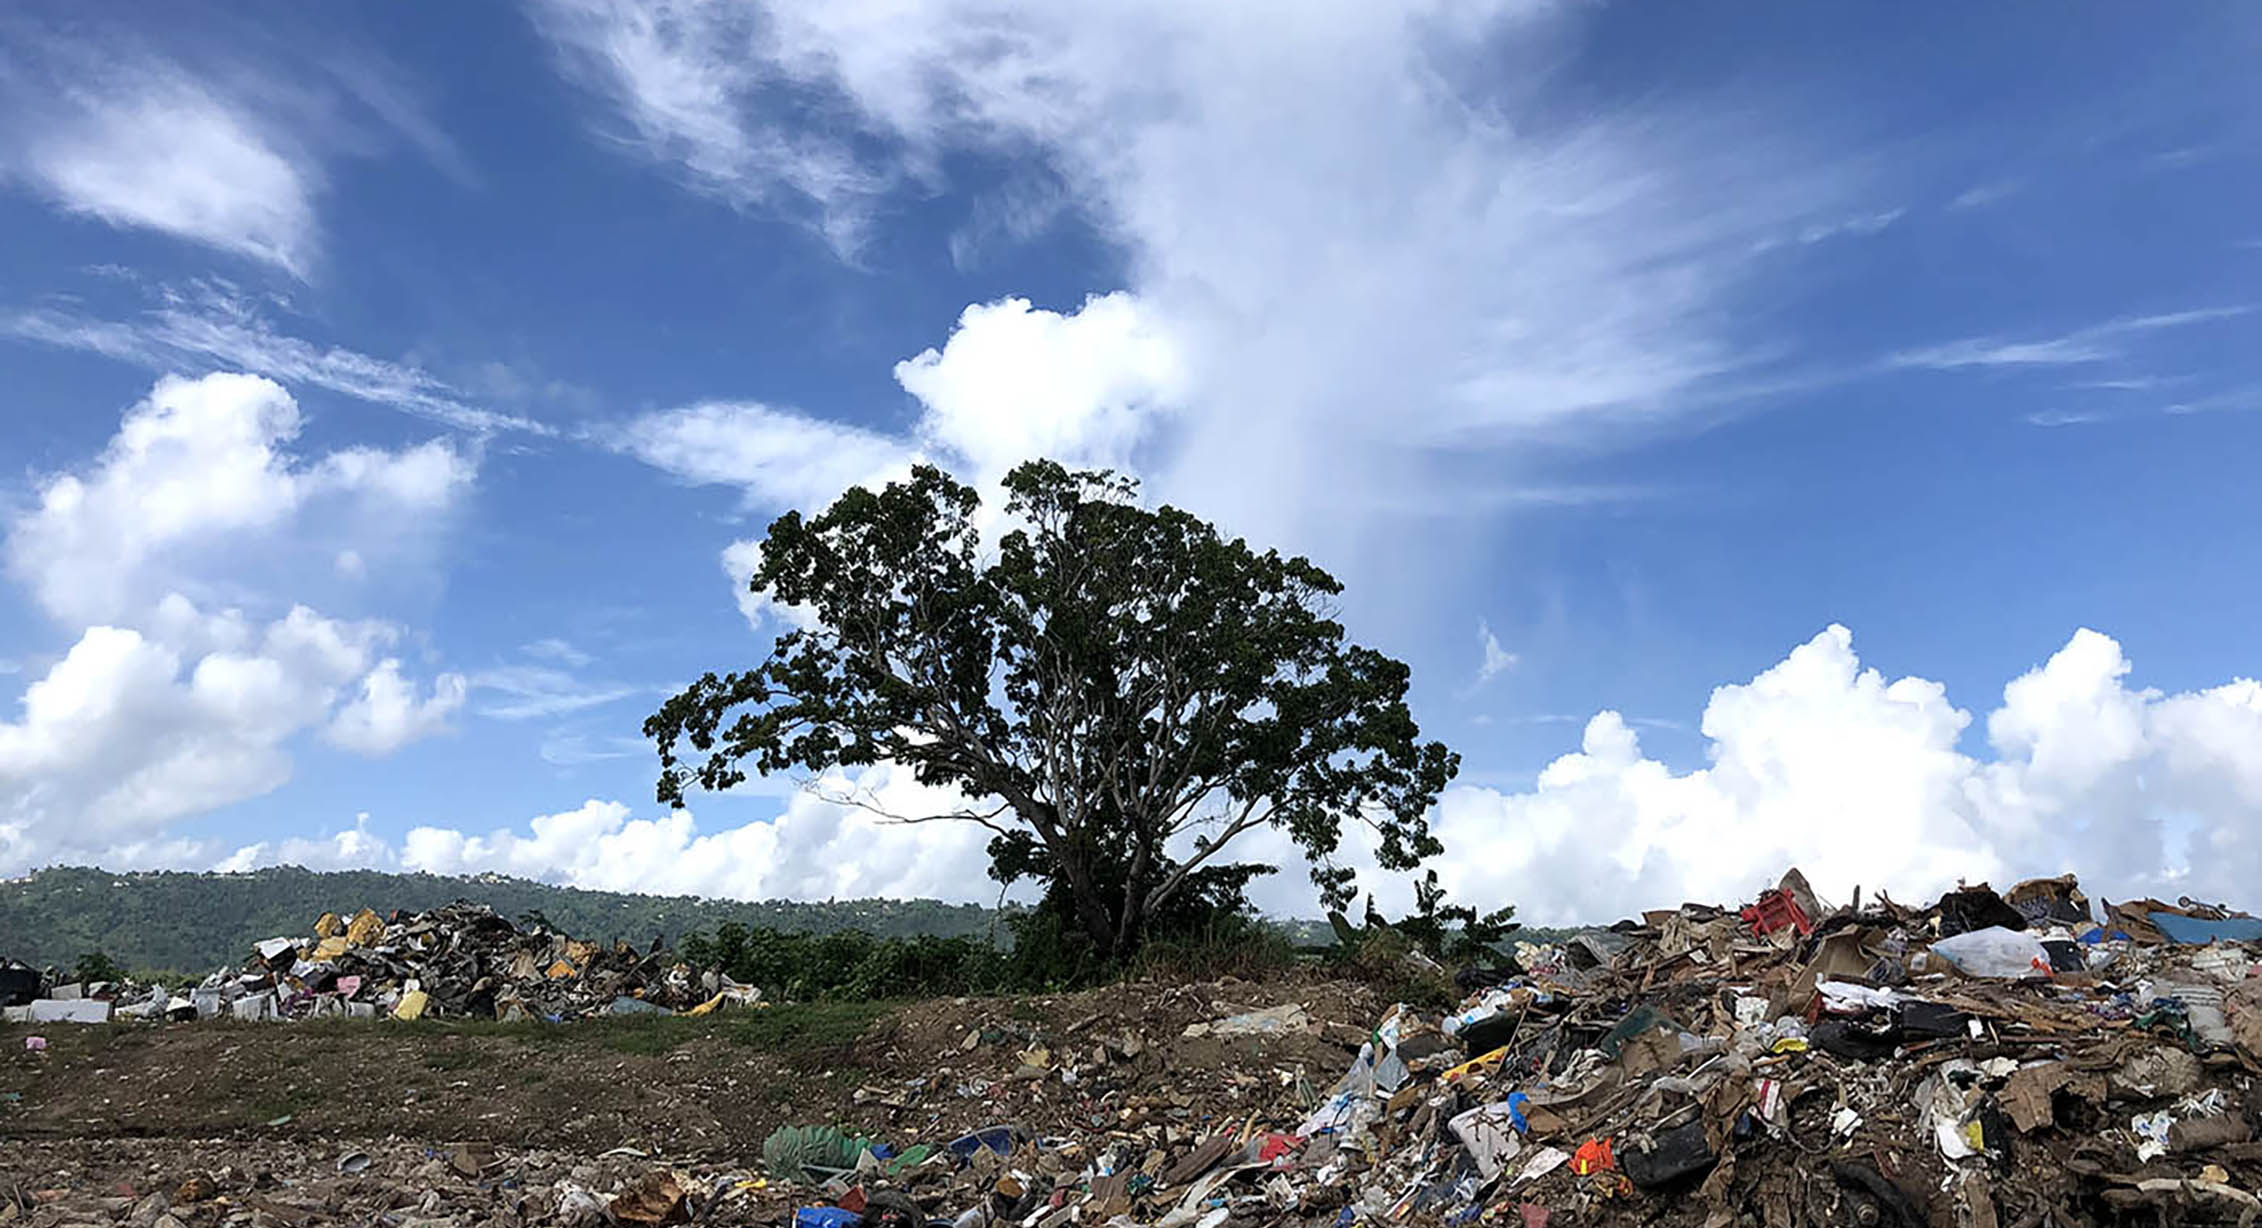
(190, 924)
(1451, 934)
(847, 965)
(1116, 682)
(96, 966)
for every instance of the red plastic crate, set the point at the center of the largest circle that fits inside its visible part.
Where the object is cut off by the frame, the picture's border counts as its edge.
(1775, 910)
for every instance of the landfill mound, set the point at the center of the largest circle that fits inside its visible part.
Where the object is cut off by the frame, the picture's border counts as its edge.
(1993, 1060)
(462, 960)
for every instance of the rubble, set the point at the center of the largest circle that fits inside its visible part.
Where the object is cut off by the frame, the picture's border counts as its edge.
(2040, 1065)
(1992, 1060)
(459, 961)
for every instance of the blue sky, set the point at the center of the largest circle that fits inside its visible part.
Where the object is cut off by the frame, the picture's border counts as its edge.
(1612, 354)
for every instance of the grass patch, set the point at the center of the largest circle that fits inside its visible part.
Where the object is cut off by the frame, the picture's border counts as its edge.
(807, 1030)
(456, 1057)
(810, 1030)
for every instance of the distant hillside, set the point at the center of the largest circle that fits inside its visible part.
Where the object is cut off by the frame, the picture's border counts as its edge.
(193, 923)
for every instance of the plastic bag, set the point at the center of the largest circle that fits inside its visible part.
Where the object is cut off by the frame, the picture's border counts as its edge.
(1995, 952)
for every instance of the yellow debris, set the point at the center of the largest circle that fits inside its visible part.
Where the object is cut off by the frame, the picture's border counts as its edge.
(364, 929)
(707, 1007)
(560, 970)
(331, 947)
(412, 1005)
(328, 926)
(1479, 1065)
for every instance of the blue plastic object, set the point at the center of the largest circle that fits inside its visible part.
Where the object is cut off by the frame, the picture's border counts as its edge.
(994, 1138)
(825, 1217)
(1516, 1103)
(2192, 931)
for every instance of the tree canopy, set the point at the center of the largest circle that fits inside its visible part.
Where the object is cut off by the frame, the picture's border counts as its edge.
(1117, 692)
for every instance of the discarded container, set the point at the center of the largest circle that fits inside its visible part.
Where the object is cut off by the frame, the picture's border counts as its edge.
(1995, 952)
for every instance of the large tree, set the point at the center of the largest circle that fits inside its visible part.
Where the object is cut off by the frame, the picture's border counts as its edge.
(1118, 692)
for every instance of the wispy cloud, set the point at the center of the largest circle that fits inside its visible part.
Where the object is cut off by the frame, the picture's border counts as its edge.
(555, 649)
(1981, 195)
(525, 692)
(1629, 230)
(779, 457)
(1495, 660)
(210, 324)
(222, 140)
(2059, 417)
(574, 749)
(1856, 226)
(2093, 344)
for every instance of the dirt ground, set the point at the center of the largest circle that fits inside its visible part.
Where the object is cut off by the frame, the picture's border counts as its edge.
(707, 1090)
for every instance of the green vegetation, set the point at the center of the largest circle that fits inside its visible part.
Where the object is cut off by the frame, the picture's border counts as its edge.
(97, 966)
(192, 923)
(1117, 693)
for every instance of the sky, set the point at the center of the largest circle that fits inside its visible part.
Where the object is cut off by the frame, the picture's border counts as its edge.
(1773, 436)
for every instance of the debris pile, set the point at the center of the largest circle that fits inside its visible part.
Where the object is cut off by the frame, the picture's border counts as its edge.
(462, 960)
(1991, 1060)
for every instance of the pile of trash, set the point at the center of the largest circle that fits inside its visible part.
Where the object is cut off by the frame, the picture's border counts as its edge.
(2011, 1060)
(462, 960)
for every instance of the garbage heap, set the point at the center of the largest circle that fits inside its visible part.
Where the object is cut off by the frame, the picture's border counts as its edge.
(2007, 1060)
(462, 960)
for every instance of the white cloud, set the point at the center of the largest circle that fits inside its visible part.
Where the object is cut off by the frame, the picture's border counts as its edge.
(2062, 417)
(1815, 762)
(815, 849)
(355, 849)
(1014, 383)
(1365, 257)
(223, 139)
(555, 649)
(781, 458)
(168, 703)
(1497, 660)
(387, 713)
(2096, 343)
(681, 79)
(1981, 195)
(200, 470)
(1861, 781)
(210, 323)
(153, 149)
(129, 732)
(531, 691)
(1858, 225)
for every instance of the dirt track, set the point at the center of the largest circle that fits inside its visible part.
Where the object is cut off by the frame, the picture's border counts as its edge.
(711, 1088)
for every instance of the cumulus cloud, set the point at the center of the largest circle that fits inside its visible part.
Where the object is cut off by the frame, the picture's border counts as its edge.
(1013, 383)
(1816, 761)
(131, 731)
(387, 713)
(200, 469)
(1859, 780)
(816, 848)
(170, 703)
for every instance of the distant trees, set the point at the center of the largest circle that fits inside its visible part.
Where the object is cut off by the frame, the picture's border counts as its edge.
(1118, 694)
(96, 966)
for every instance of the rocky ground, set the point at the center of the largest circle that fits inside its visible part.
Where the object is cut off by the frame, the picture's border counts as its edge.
(353, 1121)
